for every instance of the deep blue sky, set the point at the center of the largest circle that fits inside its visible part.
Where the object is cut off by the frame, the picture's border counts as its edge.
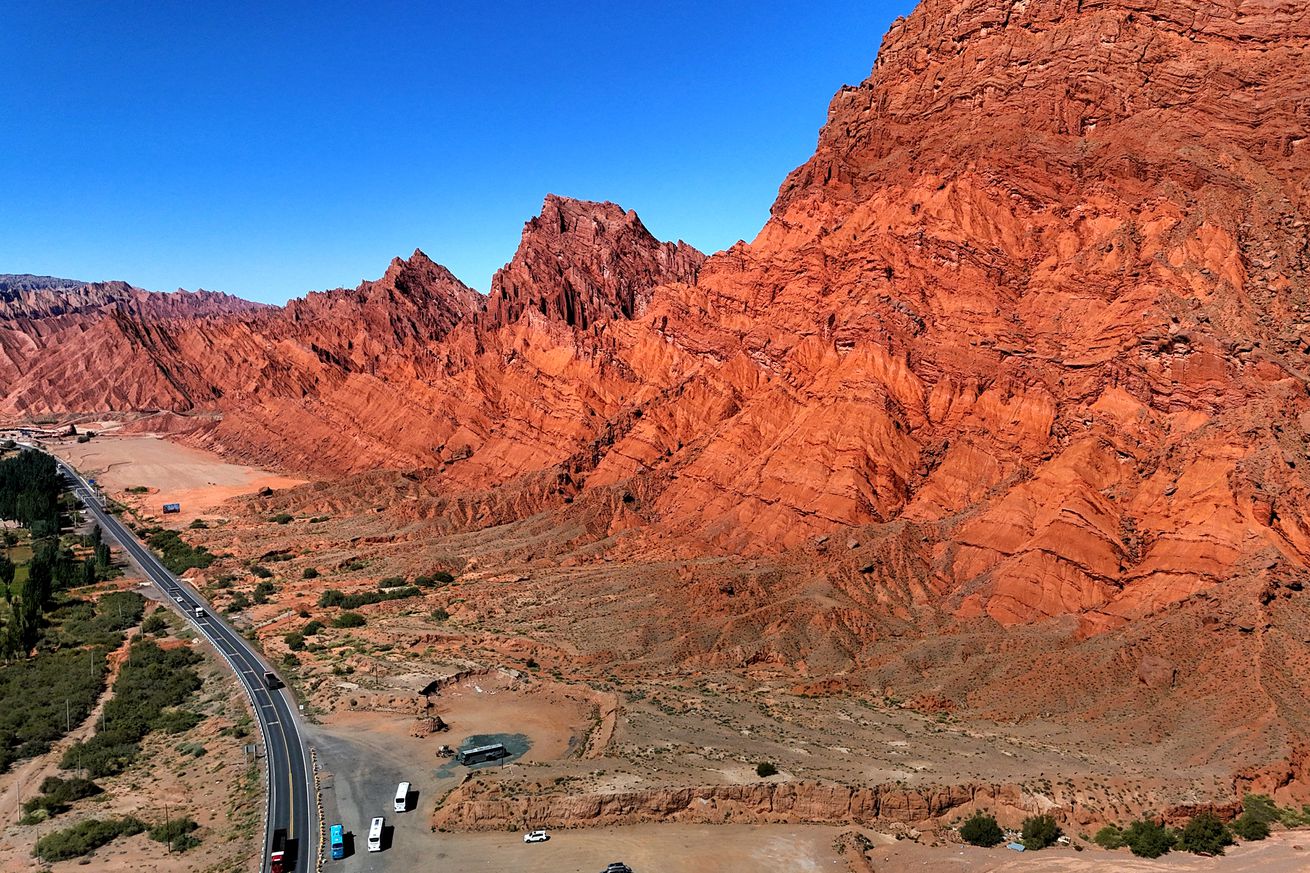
(273, 148)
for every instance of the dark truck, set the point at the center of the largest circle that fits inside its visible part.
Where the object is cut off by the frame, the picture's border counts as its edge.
(277, 853)
(271, 682)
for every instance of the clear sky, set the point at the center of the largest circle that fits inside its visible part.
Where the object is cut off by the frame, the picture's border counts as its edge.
(273, 148)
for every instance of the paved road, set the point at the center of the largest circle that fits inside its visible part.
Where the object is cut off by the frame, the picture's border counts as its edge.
(288, 770)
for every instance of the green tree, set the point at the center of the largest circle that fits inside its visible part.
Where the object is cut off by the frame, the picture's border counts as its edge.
(6, 578)
(981, 829)
(1040, 831)
(295, 641)
(1109, 837)
(1251, 827)
(1205, 834)
(1148, 838)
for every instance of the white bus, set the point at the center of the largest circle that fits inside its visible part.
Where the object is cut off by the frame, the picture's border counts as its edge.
(402, 797)
(375, 835)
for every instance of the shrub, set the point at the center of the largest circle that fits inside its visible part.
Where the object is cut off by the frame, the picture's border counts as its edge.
(312, 628)
(85, 837)
(176, 832)
(56, 796)
(1149, 839)
(333, 597)
(154, 624)
(440, 614)
(1109, 837)
(177, 721)
(199, 524)
(981, 830)
(1039, 831)
(1205, 834)
(176, 554)
(438, 579)
(765, 769)
(282, 518)
(393, 582)
(261, 571)
(295, 641)
(1251, 827)
(349, 619)
(309, 573)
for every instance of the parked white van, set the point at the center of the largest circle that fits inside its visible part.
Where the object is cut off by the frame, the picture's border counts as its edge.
(375, 835)
(402, 797)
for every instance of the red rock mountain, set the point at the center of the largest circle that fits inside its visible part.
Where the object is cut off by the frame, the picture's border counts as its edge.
(1031, 327)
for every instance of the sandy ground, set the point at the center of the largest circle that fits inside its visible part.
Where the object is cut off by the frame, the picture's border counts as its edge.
(197, 479)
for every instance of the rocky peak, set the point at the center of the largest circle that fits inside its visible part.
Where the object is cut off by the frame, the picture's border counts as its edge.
(1067, 87)
(583, 262)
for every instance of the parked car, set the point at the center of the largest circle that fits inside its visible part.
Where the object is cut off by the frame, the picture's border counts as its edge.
(617, 867)
(536, 837)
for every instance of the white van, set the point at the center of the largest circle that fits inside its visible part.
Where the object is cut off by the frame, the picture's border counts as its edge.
(402, 797)
(375, 835)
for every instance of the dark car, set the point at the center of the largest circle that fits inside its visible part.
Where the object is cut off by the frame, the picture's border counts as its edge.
(617, 867)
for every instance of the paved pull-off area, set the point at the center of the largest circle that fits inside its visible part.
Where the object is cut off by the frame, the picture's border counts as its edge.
(288, 772)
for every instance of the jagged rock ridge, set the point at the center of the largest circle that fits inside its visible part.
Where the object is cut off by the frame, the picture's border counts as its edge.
(1031, 324)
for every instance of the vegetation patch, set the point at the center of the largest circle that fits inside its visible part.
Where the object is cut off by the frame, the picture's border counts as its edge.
(333, 597)
(56, 796)
(176, 553)
(981, 829)
(85, 837)
(152, 680)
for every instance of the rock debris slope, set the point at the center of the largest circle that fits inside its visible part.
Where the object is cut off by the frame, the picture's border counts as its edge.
(1030, 328)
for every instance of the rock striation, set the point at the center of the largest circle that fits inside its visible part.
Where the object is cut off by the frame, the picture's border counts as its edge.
(1030, 329)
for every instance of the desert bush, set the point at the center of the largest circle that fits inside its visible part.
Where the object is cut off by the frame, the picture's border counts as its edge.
(393, 582)
(177, 721)
(333, 597)
(176, 554)
(1250, 827)
(435, 580)
(309, 573)
(312, 628)
(177, 833)
(57, 795)
(349, 619)
(1039, 831)
(1205, 834)
(440, 614)
(199, 524)
(981, 830)
(154, 624)
(765, 769)
(1148, 838)
(282, 518)
(295, 641)
(261, 571)
(85, 837)
(1109, 837)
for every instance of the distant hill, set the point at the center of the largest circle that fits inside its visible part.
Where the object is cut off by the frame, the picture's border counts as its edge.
(17, 283)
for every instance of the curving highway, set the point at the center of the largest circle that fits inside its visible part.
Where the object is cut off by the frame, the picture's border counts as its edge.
(288, 772)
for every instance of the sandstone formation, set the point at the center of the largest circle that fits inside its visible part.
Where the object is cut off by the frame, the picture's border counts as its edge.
(1023, 343)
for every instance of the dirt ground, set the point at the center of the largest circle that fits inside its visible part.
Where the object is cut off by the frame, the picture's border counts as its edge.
(196, 479)
(1285, 852)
